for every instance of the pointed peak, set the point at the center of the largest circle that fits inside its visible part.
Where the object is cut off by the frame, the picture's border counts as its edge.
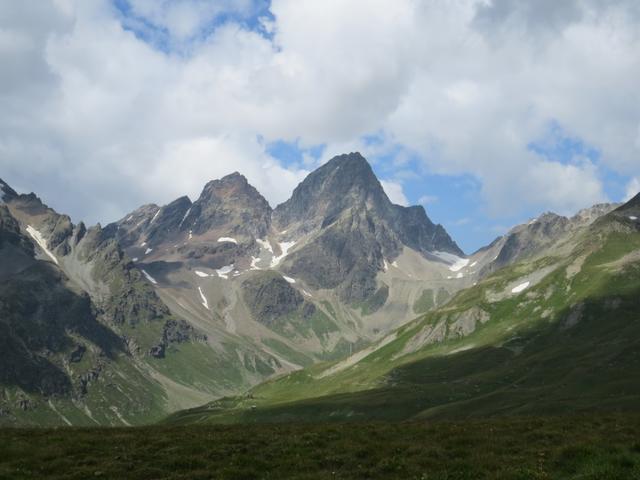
(345, 172)
(233, 184)
(354, 162)
(234, 178)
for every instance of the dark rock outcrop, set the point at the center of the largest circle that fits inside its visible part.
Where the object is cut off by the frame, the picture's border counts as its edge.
(356, 227)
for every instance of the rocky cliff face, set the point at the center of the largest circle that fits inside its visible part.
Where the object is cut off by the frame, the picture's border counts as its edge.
(352, 228)
(72, 308)
(232, 206)
(194, 300)
(547, 232)
(346, 186)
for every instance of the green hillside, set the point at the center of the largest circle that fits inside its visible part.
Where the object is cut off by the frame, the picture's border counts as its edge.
(567, 342)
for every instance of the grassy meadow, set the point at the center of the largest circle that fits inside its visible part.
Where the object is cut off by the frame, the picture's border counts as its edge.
(580, 447)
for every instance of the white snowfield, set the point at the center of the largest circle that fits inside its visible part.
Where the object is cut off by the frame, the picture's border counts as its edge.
(148, 251)
(204, 299)
(149, 277)
(227, 240)
(288, 279)
(264, 244)
(631, 217)
(385, 265)
(520, 287)
(306, 293)
(201, 274)
(135, 259)
(37, 236)
(285, 247)
(225, 271)
(455, 262)
(254, 263)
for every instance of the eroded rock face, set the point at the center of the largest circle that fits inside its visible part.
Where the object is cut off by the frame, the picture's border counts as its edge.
(271, 299)
(465, 323)
(546, 231)
(232, 204)
(356, 226)
(448, 327)
(175, 331)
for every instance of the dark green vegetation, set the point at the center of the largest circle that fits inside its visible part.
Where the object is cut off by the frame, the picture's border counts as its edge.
(600, 447)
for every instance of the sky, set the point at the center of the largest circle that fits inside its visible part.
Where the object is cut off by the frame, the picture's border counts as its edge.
(487, 113)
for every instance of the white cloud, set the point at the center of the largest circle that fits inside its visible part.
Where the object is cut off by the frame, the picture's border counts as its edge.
(98, 121)
(213, 158)
(395, 192)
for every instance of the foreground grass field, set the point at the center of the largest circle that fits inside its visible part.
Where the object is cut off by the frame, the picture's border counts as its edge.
(585, 447)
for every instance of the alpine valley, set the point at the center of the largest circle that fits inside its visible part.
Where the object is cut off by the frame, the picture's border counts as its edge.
(337, 305)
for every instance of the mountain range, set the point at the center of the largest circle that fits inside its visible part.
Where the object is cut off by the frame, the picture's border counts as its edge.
(335, 305)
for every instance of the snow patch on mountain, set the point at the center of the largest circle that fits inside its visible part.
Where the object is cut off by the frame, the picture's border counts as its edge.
(227, 240)
(225, 271)
(203, 298)
(201, 274)
(288, 279)
(455, 262)
(155, 216)
(520, 288)
(149, 277)
(284, 247)
(264, 244)
(185, 217)
(37, 236)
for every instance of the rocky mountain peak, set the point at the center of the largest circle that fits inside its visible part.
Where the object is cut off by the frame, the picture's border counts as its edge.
(345, 182)
(230, 203)
(589, 215)
(231, 189)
